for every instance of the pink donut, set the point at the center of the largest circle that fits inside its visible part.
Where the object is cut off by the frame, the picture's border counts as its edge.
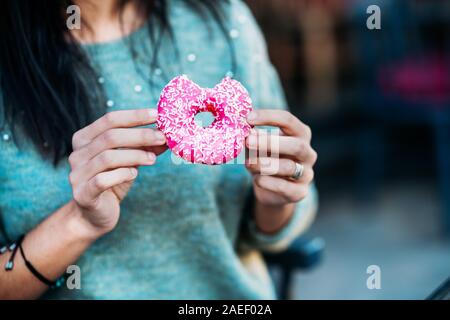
(181, 100)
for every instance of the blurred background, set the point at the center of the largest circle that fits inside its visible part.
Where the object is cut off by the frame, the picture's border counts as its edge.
(378, 102)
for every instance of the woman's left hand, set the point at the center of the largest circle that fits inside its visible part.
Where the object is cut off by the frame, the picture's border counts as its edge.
(274, 157)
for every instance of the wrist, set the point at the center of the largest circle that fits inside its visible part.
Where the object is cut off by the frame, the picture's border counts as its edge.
(78, 226)
(270, 219)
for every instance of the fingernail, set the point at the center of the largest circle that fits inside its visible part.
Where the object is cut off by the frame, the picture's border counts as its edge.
(252, 116)
(252, 141)
(151, 156)
(134, 173)
(160, 136)
(153, 113)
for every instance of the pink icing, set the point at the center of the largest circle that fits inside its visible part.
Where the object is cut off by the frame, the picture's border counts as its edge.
(221, 141)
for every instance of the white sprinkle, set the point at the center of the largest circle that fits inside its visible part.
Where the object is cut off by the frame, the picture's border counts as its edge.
(101, 80)
(5, 137)
(110, 103)
(138, 88)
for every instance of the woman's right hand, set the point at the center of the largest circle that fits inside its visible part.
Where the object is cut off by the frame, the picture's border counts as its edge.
(104, 162)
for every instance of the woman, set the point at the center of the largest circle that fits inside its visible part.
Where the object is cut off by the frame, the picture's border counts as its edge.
(104, 194)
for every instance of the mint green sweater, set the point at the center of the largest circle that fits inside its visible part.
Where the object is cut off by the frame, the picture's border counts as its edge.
(181, 224)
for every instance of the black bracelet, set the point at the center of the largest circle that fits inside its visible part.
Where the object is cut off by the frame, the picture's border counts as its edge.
(9, 266)
(33, 270)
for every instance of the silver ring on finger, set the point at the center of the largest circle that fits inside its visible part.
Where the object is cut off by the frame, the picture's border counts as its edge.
(298, 173)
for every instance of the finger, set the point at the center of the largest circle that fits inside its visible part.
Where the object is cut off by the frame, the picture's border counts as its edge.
(112, 159)
(119, 138)
(157, 150)
(271, 166)
(273, 145)
(286, 121)
(292, 192)
(87, 194)
(284, 168)
(115, 119)
(106, 180)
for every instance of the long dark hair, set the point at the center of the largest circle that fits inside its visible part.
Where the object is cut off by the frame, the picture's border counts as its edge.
(44, 74)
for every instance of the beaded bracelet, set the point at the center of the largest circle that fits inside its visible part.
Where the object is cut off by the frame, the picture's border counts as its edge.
(13, 248)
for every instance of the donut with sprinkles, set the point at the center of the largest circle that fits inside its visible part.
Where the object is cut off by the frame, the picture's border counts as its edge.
(221, 141)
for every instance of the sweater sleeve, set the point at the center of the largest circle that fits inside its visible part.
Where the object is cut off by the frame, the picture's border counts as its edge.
(257, 73)
(300, 221)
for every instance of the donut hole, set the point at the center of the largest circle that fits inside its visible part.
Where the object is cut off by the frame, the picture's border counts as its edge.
(204, 119)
